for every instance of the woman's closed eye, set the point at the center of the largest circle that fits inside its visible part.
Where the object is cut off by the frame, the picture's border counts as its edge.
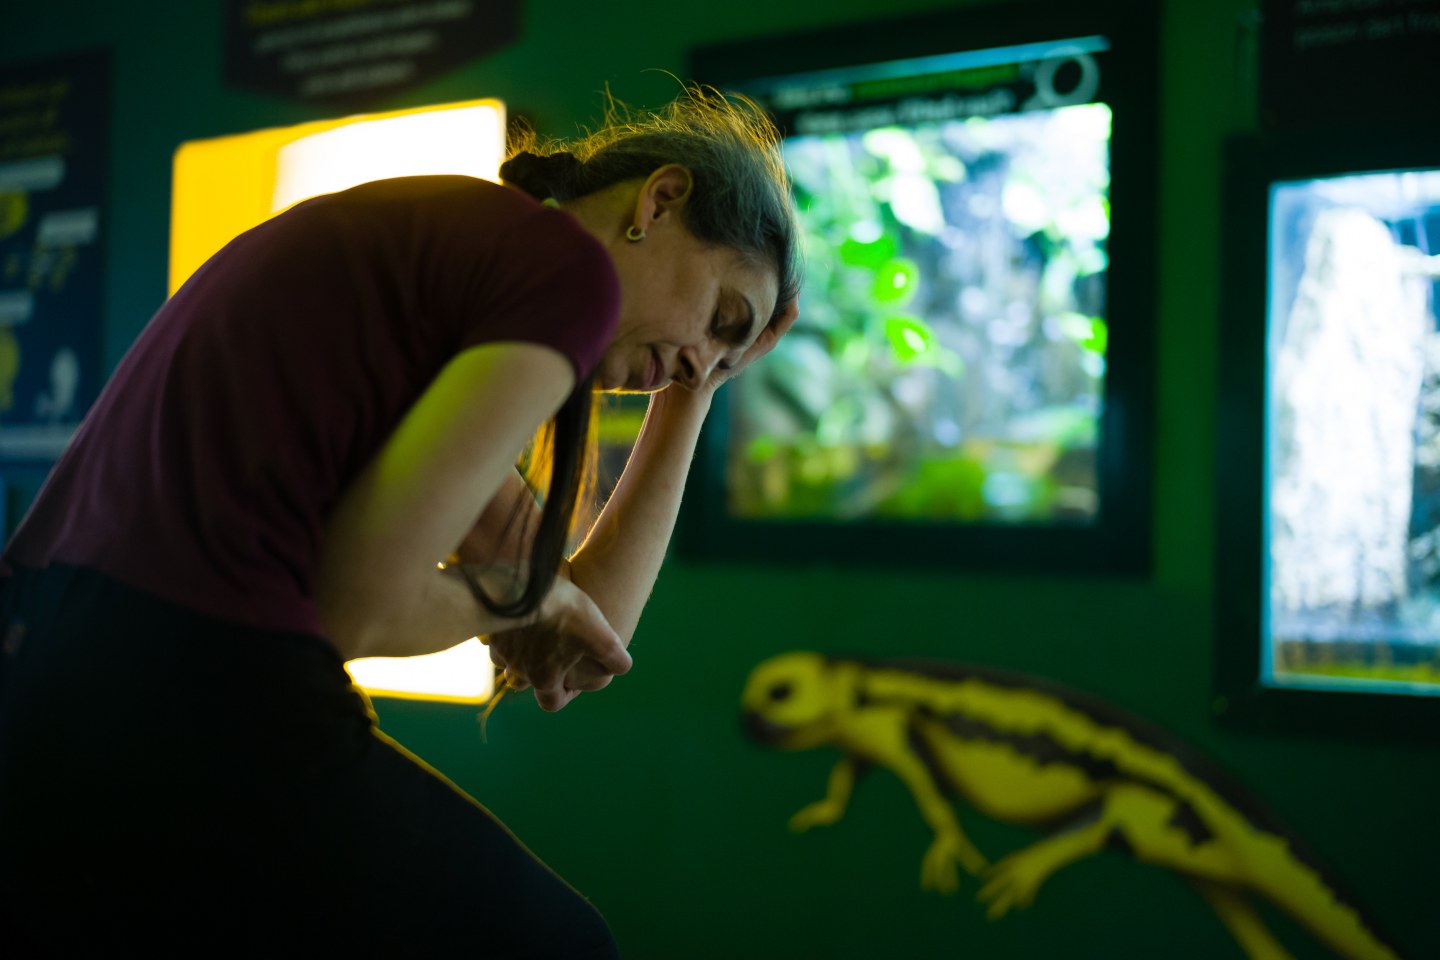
(733, 333)
(734, 319)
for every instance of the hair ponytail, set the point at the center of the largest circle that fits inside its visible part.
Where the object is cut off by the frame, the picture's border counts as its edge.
(559, 175)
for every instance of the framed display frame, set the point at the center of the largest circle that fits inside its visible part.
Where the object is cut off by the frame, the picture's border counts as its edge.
(1324, 583)
(54, 145)
(1016, 60)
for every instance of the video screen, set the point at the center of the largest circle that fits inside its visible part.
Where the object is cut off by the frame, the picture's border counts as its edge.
(950, 361)
(1353, 434)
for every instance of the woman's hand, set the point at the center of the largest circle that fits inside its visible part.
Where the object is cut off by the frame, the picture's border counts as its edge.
(763, 344)
(570, 648)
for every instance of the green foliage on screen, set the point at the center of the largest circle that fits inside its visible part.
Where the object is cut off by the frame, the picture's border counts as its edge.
(950, 360)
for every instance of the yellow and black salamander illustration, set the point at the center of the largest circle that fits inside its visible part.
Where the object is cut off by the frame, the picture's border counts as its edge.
(1021, 749)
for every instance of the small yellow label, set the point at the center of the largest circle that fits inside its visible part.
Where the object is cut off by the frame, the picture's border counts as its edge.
(9, 366)
(14, 209)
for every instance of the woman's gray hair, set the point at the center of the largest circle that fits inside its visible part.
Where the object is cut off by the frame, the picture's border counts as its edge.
(741, 198)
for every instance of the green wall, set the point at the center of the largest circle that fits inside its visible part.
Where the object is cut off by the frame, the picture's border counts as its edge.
(646, 797)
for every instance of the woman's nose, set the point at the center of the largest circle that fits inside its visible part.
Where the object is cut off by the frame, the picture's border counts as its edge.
(696, 365)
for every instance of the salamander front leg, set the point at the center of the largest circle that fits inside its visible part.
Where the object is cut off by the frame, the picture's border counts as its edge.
(837, 798)
(950, 846)
(937, 870)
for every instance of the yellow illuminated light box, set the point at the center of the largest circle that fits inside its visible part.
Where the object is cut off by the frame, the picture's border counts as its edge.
(225, 186)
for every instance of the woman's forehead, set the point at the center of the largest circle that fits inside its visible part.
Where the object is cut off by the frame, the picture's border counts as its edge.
(755, 280)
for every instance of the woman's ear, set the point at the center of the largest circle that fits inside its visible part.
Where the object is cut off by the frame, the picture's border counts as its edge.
(665, 192)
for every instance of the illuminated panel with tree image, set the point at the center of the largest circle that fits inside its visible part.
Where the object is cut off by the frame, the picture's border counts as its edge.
(967, 382)
(1329, 581)
(1354, 476)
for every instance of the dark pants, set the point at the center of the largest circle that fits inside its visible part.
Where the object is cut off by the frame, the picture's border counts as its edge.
(168, 780)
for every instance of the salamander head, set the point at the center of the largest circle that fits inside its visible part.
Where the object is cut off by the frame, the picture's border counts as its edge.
(791, 700)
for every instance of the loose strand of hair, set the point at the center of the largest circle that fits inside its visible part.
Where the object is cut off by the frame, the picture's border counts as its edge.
(564, 457)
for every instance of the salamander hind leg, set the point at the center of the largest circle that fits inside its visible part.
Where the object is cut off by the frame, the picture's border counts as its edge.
(1240, 917)
(1145, 822)
(1013, 882)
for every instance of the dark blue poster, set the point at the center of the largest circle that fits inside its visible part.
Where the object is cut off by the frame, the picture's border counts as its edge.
(352, 52)
(53, 139)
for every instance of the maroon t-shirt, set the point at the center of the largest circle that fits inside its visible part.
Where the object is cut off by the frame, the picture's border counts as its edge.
(206, 470)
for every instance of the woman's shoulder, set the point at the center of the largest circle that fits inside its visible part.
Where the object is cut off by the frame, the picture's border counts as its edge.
(472, 205)
(454, 193)
(496, 241)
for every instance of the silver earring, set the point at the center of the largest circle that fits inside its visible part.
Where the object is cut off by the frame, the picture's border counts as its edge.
(634, 234)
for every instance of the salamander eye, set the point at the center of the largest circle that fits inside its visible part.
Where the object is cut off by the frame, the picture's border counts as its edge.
(781, 691)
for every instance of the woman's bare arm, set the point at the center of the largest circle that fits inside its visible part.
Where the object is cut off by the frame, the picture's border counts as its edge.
(620, 559)
(621, 556)
(624, 548)
(506, 527)
(379, 589)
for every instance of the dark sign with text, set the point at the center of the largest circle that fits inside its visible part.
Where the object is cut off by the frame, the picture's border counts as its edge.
(53, 134)
(1351, 62)
(352, 52)
(940, 89)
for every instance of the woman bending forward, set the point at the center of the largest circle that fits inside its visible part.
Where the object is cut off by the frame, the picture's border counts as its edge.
(269, 485)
